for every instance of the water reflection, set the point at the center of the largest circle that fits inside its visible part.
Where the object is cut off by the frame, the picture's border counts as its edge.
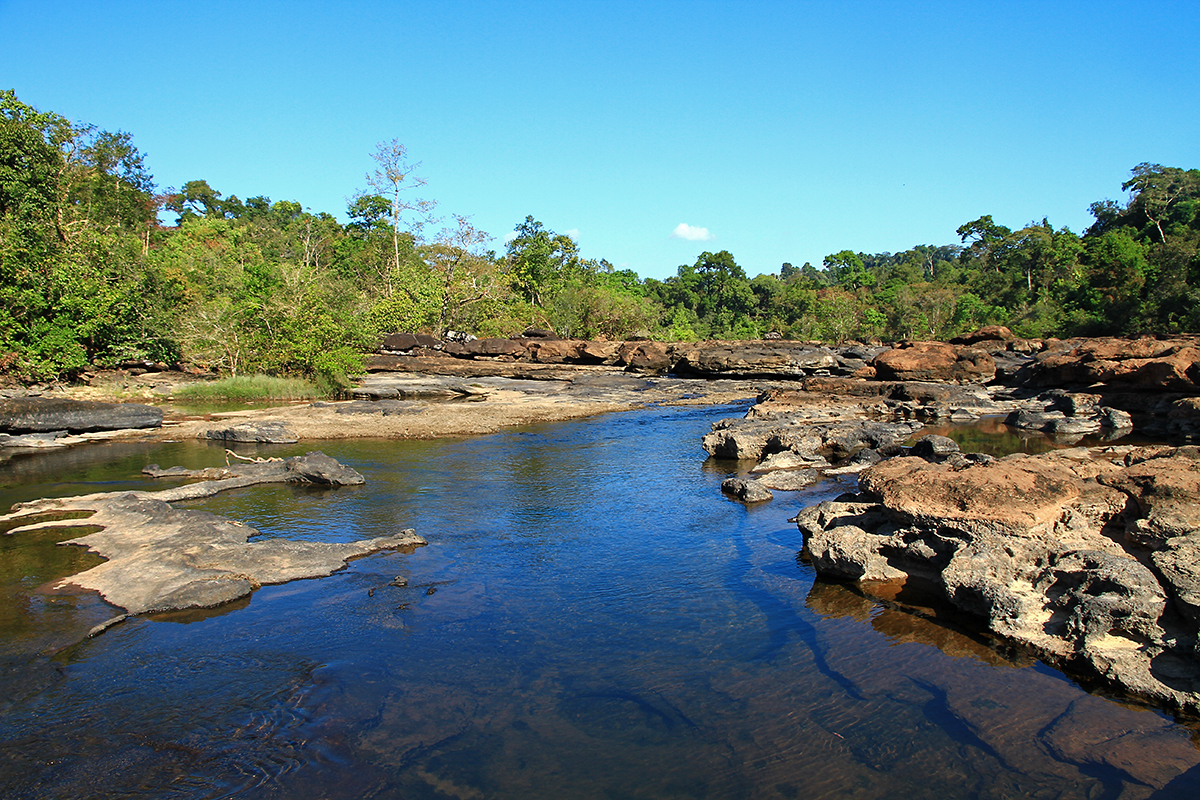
(991, 435)
(604, 624)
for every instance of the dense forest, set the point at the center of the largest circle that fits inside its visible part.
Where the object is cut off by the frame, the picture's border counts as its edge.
(89, 275)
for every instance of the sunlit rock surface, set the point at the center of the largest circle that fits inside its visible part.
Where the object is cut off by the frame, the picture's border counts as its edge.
(1087, 557)
(161, 558)
(22, 415)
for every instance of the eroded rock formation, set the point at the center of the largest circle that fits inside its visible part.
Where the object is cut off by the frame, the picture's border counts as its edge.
(161, 558)
(1089, 558)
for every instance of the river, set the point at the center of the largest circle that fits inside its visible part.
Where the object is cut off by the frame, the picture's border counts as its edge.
(591, 618)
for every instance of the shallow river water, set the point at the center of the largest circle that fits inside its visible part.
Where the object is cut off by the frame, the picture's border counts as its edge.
(591, 618)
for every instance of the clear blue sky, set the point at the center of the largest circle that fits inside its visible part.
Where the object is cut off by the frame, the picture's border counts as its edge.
(787, 130)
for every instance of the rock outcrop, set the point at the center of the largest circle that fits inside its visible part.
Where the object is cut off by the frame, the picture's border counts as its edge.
(935, 361)
(1150, 364)
(160, 558)
(25, 415)
(743, 359)
(1090, 559)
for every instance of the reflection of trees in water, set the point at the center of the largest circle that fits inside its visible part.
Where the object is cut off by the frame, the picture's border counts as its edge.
(990, 435)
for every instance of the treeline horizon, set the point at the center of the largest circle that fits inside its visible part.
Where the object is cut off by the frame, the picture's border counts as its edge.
(89, 277)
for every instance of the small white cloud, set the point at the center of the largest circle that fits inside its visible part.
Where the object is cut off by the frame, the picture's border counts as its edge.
(691, 233)
(508, 237)
(573, 234)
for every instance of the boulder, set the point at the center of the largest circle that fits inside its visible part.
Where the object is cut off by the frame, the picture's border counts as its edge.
(787, 460)
(789, 480)
(831, 440)
(399, 342)
(935, 361)
(934, 448)
(554, 351)
(1065, 413)
(652, 357)
(988, 333)
(600, 352)
(1171, 365)
(312, 467)
(748, 491)
(20, 415)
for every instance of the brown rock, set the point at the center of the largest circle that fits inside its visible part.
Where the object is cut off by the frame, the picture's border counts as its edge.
(495, 347)
(1171, 365)
(646, 357)
(554, 351)
(399, 342)
(1015, 492)
(935, 361)
(600, 352)
(988, 333)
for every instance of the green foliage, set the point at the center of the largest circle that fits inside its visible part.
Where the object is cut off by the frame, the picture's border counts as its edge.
(540, 262)
(87, 276)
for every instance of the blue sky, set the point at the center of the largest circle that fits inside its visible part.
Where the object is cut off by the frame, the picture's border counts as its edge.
(786, 131)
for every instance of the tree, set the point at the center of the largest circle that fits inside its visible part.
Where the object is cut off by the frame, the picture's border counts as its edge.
(394, 178)
(847, 269)
(466, 274)
(539, 260)
(1159, 191)
(195, 200)
(118, 190)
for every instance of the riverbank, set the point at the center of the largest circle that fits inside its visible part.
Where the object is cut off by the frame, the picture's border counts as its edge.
(425, 406)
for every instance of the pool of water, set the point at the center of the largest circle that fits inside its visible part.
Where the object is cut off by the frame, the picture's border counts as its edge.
(591, 618)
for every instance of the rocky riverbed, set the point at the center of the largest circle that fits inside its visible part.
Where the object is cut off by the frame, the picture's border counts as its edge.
(1086, 557)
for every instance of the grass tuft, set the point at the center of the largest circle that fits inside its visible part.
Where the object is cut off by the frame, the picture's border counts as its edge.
(249, 388)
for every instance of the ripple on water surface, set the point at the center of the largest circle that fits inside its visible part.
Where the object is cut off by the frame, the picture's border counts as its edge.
(591, 618)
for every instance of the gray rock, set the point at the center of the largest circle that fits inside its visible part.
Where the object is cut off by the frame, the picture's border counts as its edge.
(788, 460)
(316, 467)
(260, 432)
(934, 447)
(789, 480)
(159, 558)
(313, 467)
(724, 359)
(33, 440)
(1031, 420)
(1093, 594)
(1030, 546)
(1073, 426)
(751, 491)
(1115, 418)
(41, 414)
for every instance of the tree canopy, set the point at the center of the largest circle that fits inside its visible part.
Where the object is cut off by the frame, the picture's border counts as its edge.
(90, 277)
